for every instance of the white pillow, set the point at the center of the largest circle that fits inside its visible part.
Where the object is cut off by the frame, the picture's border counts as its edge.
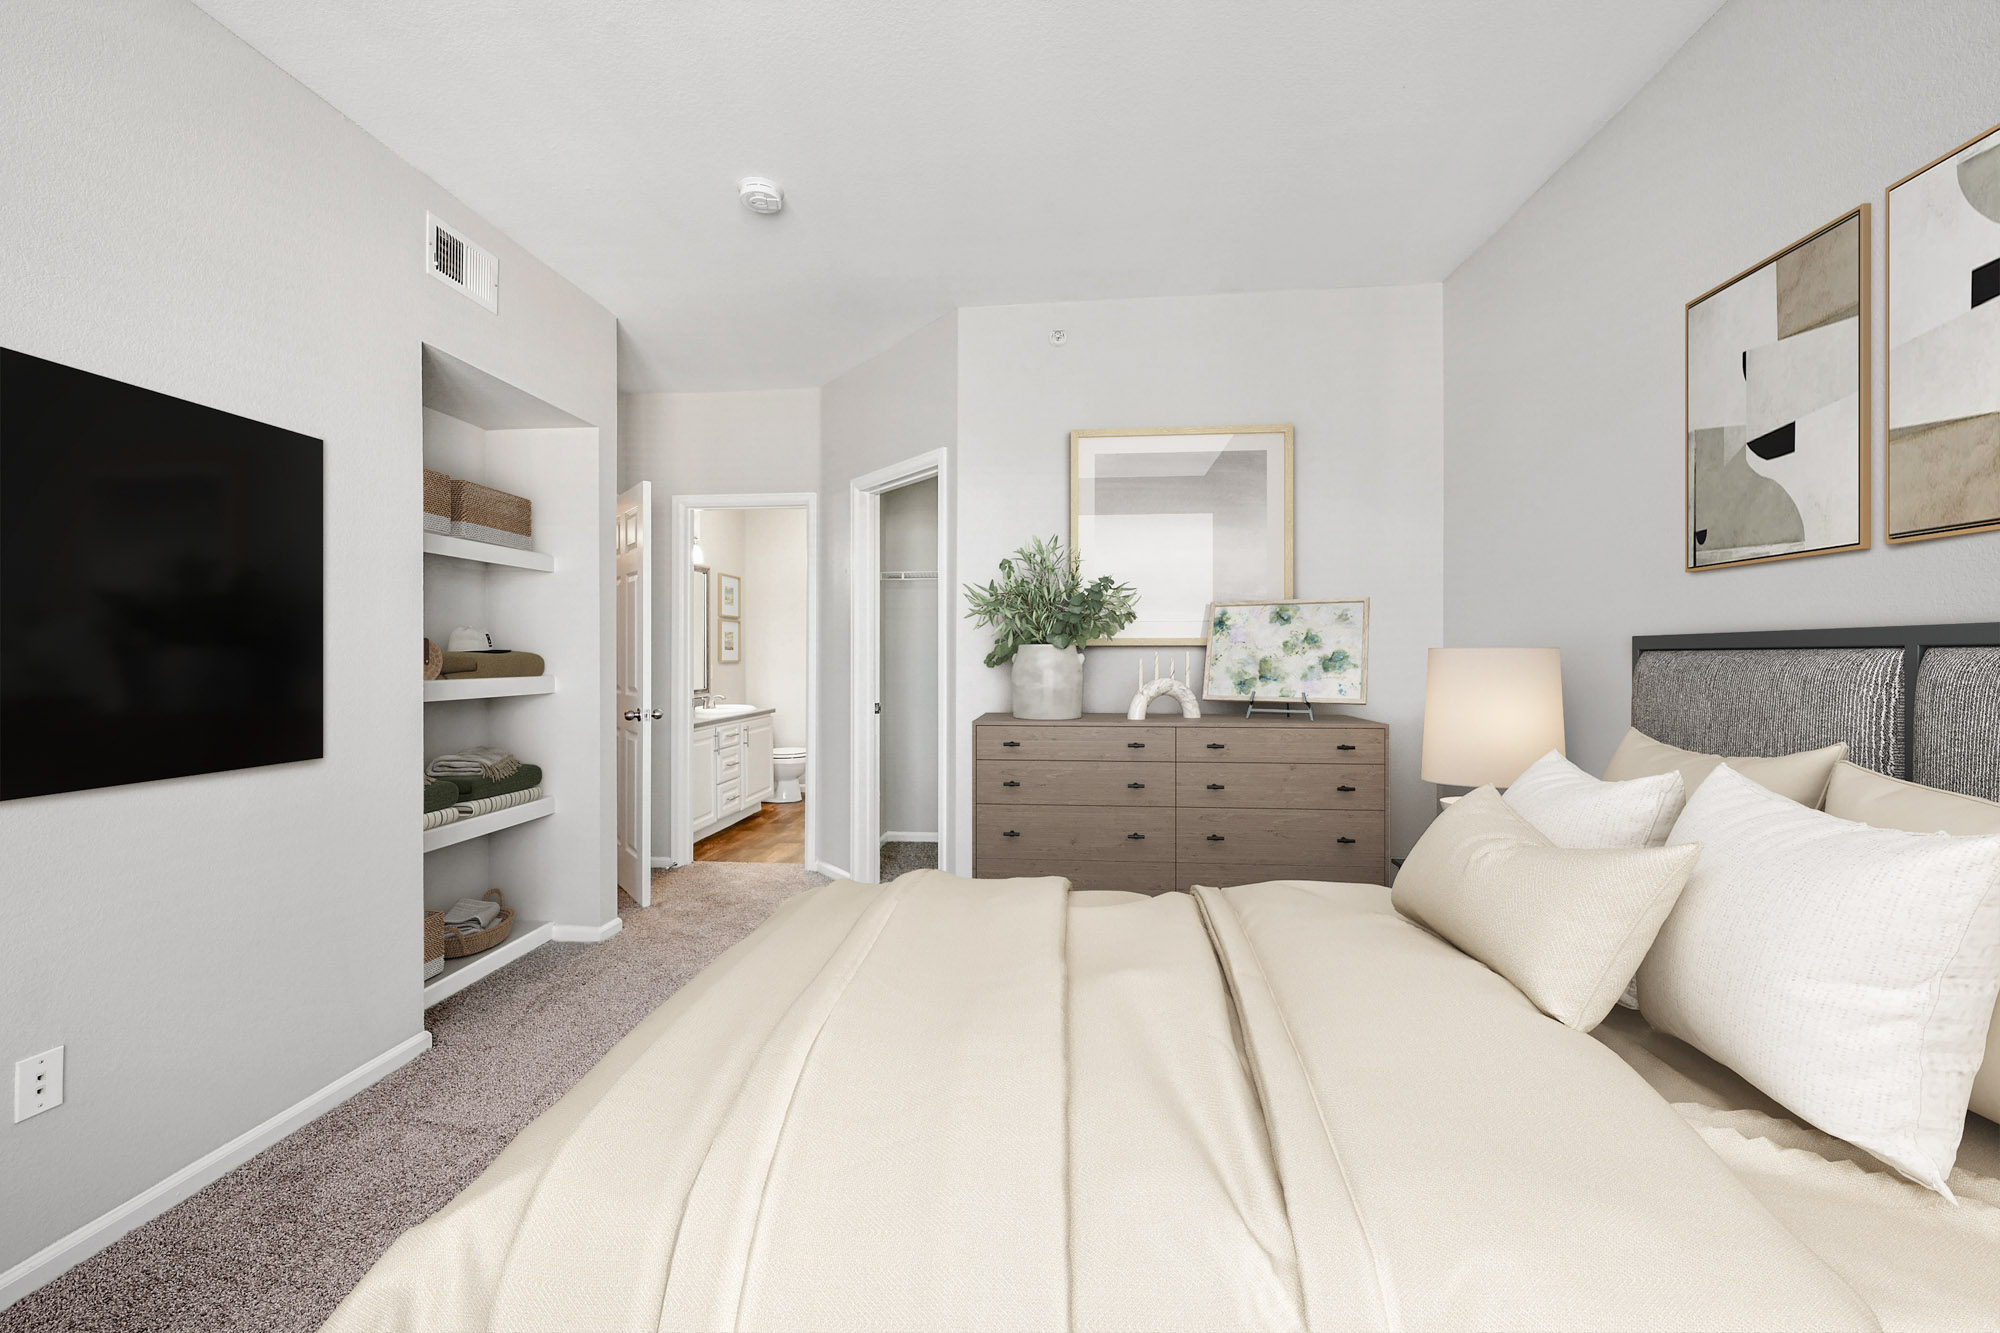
(1566, 925)
(1849, 972)
(1573, 809)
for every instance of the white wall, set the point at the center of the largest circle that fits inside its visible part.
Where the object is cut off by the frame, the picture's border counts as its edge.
(1358, 373)
(909, 662)
(154, 930)
(894, 406)
(1564, 344)
(774, 618)
(722, 543)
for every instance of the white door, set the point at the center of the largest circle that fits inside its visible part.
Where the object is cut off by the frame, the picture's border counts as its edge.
(635, 692)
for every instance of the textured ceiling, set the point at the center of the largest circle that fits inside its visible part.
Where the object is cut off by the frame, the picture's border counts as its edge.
(944, 154)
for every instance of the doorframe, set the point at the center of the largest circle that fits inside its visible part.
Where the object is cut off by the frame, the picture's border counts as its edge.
(865, 657)
(680, 681)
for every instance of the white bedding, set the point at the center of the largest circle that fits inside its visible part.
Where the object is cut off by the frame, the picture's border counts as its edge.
(949, 1104)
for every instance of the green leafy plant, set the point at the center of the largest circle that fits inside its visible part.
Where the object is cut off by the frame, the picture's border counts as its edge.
(1040, 597)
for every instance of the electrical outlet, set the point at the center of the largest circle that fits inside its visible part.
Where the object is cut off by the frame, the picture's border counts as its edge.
(38, 1084)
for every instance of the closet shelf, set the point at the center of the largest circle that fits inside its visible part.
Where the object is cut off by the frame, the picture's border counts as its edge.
(525, 938)
(907, 575)
(478, 826)
(487, 687)
(487, 553)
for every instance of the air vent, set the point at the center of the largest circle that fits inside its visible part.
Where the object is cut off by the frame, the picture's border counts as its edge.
(457, 262)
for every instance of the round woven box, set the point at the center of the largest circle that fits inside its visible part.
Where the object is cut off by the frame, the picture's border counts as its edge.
(458, 944)
(433, 660)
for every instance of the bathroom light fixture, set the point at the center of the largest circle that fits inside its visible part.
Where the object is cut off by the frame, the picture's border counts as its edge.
(760, 195)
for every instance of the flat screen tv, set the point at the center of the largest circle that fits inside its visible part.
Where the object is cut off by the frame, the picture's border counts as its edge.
(160, 585)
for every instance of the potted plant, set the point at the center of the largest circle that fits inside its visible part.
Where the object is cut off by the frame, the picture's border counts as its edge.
(1043, 613)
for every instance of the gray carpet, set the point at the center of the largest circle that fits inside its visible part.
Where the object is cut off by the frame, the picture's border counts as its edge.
(275, 1245)
(899, 858)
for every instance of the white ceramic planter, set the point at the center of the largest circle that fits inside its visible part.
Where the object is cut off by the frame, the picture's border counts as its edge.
(1048, 682)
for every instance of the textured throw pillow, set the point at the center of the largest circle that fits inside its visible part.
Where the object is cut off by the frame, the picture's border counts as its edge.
(1566, 925)
(1573, 809)
(1800, 776)
(1849, 972)
(1868, 797)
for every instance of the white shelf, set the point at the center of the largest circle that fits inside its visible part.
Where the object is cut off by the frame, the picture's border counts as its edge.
(524, 938)
(487, 552)
(478, 826)
(487, 687)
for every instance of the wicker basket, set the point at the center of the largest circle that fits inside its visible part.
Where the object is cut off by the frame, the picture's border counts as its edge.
(482, 514)
(437, 501)
(435, 936)
(433, 660)
(457, 945)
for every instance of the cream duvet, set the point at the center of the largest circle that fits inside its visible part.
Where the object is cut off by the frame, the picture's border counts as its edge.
(947, 1104)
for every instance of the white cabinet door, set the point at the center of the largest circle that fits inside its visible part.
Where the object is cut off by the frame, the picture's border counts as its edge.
(757, 780)
(701, 779)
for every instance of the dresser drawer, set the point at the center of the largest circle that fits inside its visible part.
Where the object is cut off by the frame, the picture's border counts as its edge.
(1203, 784)
(1341, 870)
(1081, 782)
(1129, 876)
(1278, 837)
(1155, 744)
(1280, 743)
(1039, 832)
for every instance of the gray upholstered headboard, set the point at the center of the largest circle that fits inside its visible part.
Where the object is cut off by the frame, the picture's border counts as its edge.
(1914, 701)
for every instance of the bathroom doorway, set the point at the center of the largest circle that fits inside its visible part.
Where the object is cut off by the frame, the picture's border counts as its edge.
(741, 643)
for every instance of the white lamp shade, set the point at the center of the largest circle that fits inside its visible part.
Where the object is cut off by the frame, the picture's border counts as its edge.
(1490, 712)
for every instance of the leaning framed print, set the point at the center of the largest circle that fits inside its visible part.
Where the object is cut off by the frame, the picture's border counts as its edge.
(1777, 405)
(1189, 516)
(1311, 651)
(1943, 463)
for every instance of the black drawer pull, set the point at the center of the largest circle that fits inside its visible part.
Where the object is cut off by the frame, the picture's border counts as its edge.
(1012, 745)
(1010, 783)
(1136, 837)
(1343, 840)
(1217, 745)
(1337, 747)
(1011, 833)
(1136, 786)
(1215, 837)
(1215, 786)
(1339, 788)
(1135, 745)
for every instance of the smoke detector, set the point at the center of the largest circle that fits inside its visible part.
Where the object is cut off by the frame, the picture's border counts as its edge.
(760, 195)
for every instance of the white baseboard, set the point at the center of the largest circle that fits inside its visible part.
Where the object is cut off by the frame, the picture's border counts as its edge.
(52, 1262)
(831, 871)
(587, 934)
(909, 837)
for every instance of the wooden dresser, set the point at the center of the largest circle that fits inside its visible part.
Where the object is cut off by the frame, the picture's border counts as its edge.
(1171, 802)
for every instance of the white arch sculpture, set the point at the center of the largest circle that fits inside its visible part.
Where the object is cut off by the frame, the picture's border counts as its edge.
(1169, 684)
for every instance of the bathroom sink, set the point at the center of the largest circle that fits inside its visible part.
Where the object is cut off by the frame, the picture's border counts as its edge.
(720, 711)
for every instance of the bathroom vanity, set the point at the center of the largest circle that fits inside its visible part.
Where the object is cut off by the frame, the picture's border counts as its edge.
(729, 772)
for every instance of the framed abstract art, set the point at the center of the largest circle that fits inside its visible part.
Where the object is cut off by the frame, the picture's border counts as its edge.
(1943, 464)
(1188, 516)
(1286, 650)
(1777, 405)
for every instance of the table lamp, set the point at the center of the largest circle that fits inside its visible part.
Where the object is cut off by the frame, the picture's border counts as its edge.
(1489, 713)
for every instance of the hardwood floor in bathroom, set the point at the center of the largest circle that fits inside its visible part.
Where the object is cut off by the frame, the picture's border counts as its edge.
(777, 833)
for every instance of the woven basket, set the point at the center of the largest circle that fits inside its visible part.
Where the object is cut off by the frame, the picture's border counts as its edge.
(457, 945)
(437, 501)
(435, 936)
(482, 514)
(433, 660)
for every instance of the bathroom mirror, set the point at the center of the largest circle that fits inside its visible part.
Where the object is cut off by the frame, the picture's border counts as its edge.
(698, 627)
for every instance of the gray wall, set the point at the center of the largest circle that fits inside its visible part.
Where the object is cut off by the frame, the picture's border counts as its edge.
(1563, 340)
(909, 744)
(154, 930)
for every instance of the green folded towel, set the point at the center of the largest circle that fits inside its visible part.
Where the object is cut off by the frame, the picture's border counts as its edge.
(473, 666)
(478, 789)
(440, 794)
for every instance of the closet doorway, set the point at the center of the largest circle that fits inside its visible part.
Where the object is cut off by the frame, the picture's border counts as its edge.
(902, 626)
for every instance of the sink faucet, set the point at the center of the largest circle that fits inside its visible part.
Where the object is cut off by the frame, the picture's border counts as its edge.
(707, 699)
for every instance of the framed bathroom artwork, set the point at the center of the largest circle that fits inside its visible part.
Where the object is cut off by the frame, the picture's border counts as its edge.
(728, 646)
(1288, 650)
(1189, 516)
(728, 596)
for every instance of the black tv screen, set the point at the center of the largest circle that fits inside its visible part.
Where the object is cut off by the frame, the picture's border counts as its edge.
(160, 585)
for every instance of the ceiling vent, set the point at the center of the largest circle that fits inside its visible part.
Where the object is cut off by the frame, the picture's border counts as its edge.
(457, 262)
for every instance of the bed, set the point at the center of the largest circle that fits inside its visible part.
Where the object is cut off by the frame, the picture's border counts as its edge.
(945, 1103)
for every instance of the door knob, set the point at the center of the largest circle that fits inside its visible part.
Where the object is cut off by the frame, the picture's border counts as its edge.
(656, 715)
(643, 715)
(633, 715)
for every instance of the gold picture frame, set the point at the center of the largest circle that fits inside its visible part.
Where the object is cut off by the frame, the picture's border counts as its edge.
(1162, 531)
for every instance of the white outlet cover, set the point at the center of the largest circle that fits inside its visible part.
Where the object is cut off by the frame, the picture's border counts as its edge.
(38, 1084)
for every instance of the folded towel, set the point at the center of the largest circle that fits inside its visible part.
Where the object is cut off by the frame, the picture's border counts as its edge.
(487, 805)
(465, 666)
(439, 818)
(440, 794)
(480, 761)
(470, 914)
(476, 788)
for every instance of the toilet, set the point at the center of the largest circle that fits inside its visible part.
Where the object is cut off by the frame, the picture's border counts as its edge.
(788, 765)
